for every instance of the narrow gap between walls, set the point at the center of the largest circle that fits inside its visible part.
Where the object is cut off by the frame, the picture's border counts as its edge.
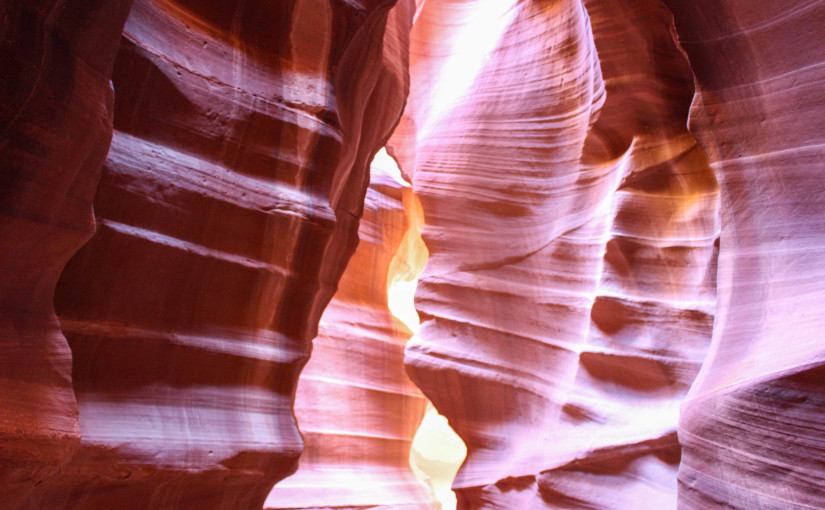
(437, 451)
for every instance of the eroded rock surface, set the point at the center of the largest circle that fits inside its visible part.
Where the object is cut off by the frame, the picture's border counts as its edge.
(751, 426)
(356, 409)
(572, 224)
(55, 128)
(226, 212)
(572, 220)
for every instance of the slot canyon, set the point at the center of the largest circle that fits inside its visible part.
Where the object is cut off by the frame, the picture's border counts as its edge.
(258, 254)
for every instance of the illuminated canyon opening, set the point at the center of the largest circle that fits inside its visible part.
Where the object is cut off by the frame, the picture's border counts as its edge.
(621, 306)
(358, 413)
(436, 452)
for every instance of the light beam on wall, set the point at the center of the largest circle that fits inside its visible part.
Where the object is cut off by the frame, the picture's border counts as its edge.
(437, 452)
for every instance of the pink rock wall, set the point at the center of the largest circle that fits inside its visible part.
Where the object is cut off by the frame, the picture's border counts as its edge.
(55, 128)
(356, 409)
(751, 427)
(571, 221)
(572, 218)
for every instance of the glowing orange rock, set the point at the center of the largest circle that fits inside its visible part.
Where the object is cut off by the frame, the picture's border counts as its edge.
(355, 407)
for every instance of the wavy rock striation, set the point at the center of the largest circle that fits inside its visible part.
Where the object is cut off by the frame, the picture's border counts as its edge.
(55, 128)
(356, 409)
(572, 223)
(226, 212)
(569, 306)
(751, 426)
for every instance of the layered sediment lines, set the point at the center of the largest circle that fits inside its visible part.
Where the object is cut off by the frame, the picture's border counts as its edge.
(151, 347)
(55, 128)
(226, 212)
(751, 426)
(572, 226)
(355, 407)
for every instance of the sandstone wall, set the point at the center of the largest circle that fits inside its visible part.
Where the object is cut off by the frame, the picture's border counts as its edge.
(571, 330)
(751, 426)
(572, 224)
(227, 210)
(355, 407)
(55, 128)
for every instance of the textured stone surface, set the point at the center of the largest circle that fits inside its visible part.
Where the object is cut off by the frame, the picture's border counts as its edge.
(571, 217)
(571, 221)
(55, 129)
(752, 425)
(356, 409)
(226, 212)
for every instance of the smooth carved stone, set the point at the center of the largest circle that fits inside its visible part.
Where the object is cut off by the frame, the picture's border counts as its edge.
(572, 225)
(355, 407)
(227, 210)
(571, 216)
(55, 128)
(752, 425)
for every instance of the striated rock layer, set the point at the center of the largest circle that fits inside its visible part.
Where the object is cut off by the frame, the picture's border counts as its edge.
(356, 409)
(55, 128)
(752, 425)
(570, 297)
(572, 223)
(226, 212)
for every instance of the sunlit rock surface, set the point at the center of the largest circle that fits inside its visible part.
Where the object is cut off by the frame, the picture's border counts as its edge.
(55, 128)
(572, 224)
(226, 212)
(356, 409)
(751, 428)
(570, 328)
(437, 454)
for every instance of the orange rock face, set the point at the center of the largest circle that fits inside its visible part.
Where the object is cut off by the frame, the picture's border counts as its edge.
(356, 409)
(227, 209)
(55, 129)
(623, 208)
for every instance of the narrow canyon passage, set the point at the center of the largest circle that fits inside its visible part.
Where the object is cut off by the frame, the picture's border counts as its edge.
(591, 242)
(356, 409)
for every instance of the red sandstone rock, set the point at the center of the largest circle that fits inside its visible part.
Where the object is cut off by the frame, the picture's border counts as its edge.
(751, 427)
(571, 218)
(55, 128)
(227, 210)
(356, 409)
(571, 222)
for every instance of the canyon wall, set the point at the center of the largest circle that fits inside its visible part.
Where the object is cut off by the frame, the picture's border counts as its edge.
(55, 128)
(171, 240)
(356, 409)
(572, 225)
(751, 426)
(227, 209)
